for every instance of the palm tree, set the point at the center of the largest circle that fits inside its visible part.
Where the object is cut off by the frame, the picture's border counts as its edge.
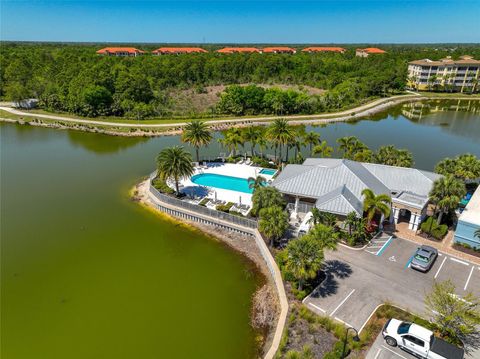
(174, 163)
(280, 133)
(345, 143)
(446, 193)
(323, 149)
(320, 217)
(311, 139)
(265, 197)
(254, 183)
(373, 204)
(273, 223)
(304, 259)
(251, 134)
(431, 81)
(325, 235)
(197, 134)
(351, 221)
(232, 138)
(468, 167)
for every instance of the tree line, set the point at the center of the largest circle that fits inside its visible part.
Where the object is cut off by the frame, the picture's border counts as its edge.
(72, 78)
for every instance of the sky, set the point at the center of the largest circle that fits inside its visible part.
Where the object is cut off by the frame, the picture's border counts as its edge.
(320, 22)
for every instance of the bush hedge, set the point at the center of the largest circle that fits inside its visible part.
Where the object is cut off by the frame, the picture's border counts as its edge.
(430, 226)
(162, 186)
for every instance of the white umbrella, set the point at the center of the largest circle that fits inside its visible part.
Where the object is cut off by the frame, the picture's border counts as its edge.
(215, 192)
(240, 200)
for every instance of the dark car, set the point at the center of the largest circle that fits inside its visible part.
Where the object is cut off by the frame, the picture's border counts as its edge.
(424, 258)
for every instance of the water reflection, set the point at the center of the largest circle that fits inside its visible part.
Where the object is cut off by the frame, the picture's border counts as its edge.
(454, 117)
(103, 144)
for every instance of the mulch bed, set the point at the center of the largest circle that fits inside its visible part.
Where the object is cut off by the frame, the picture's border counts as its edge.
(463, 249)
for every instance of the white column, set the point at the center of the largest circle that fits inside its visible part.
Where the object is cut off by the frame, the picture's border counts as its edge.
(395, 215)
(297, 201)
(413, 223)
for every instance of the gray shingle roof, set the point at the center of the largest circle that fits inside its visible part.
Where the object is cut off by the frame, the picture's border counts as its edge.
(337, 184)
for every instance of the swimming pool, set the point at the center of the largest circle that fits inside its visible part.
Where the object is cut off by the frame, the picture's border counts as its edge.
(268, 171)
(223, 182)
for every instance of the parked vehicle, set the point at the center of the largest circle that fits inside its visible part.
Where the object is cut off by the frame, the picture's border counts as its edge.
(424, 258)
(419, 341)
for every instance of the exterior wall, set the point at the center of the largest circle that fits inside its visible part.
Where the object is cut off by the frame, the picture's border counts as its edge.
(361, 53)
(465, 234)
(455, 76)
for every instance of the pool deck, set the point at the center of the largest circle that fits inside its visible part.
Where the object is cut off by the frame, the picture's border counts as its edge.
(226, 169)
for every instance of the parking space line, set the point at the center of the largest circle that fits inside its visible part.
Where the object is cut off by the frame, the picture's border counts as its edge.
(317, 307)
(439, 269)
(459, 261)
(387, 243)
(390, 350)
(468, 280)
(342, 302)
(378, 353)
(409, 261)
(343, 322)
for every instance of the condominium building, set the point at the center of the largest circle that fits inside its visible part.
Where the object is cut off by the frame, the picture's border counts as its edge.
(244, 50)
(120, 51)
(314, 49)
(445, 74)
(178, 50)
(369, 51)
(279, 50)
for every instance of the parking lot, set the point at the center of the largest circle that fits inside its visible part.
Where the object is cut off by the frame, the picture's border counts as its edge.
(357, 281)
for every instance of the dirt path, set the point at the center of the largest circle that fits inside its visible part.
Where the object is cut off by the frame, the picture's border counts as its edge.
(354, 113)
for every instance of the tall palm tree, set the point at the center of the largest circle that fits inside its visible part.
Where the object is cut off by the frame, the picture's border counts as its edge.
(446, 193)
(311, 139)
(373, 204)
(280, 133)
(174, 163)
(345, 143)
(251, 134)
(232, 138)
(197, 134)
(323, 149)
(254, 183)
(351, 221)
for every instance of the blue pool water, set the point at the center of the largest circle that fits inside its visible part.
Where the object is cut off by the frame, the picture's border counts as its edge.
(223, 182)
(268, 171)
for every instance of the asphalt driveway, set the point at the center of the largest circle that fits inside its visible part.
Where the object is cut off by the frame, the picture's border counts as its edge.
(358, 281)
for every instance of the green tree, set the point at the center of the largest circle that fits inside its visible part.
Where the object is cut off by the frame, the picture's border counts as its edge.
(280, 133)
(232, 138)
(265, 197)
(465, 167)
(96, 100)
(252, 135)
(321, 217)
(446, 193)
(323, 149)
(456, 318)
(273, 223)
(391, 156)
(311, 139)
(325, 235)
(174, 163)
(255, 183)
(375, 204)
(304, 259)
(197, 134)
(351, 221)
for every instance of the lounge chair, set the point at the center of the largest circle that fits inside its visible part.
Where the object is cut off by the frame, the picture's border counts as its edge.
(249, 161)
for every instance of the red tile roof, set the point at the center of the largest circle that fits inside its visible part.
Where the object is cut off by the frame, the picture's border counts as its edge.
(372, 50)
(279, 49)
(323, 49)
(113, 50)
(178, 50)
(231, 50)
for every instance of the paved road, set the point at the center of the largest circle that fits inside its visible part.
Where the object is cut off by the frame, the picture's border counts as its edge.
(360, 280)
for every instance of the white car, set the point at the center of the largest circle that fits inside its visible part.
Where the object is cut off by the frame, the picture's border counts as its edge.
(419, 341)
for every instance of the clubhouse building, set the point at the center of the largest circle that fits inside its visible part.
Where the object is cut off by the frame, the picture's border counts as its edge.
(336, 185)
(120, 51)
(469, 223)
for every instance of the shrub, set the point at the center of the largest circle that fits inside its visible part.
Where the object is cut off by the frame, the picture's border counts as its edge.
(162, 186)
(430, 226)
(224, 207)
(203, 202)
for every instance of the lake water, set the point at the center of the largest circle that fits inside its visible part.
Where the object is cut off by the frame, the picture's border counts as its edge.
(86, 273)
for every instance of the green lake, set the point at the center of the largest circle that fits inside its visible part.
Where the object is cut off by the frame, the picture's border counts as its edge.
(87, 273)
